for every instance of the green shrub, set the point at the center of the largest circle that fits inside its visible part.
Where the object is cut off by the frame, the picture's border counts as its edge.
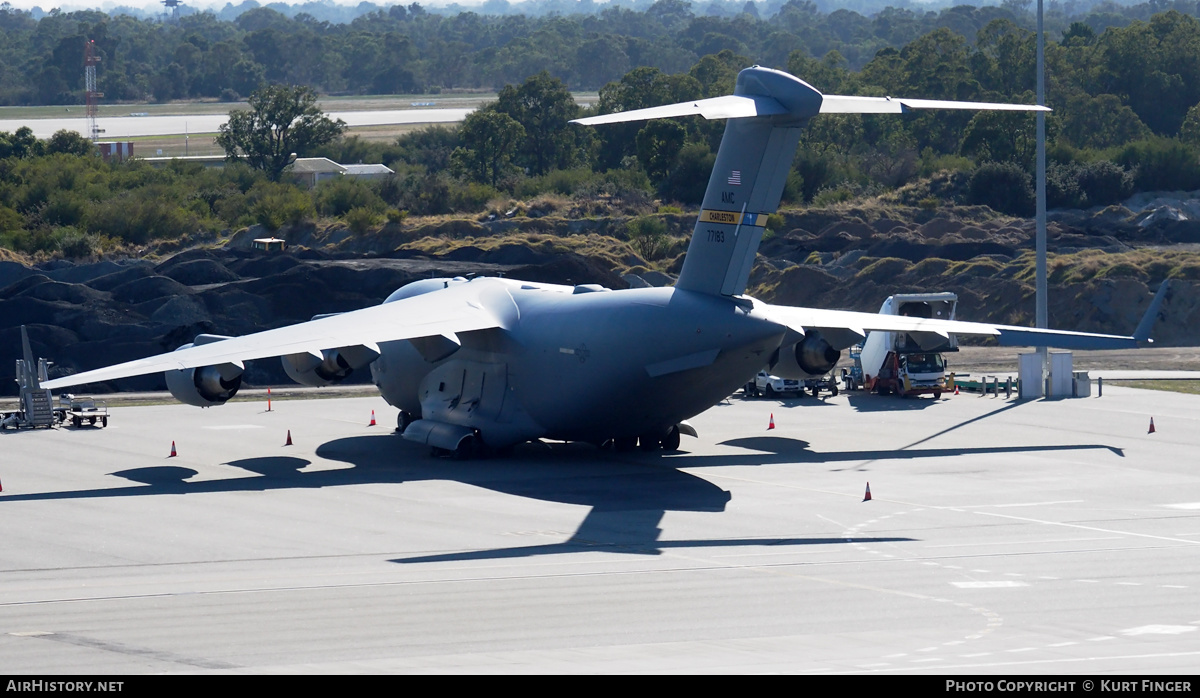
(1105, 182)
(361, 219)
(335, 197)
(471, 197)
(648, 236)
(1085, 184)
(832, 195)
(565, 182)
(273, 205)
(139, 217)
(1161, 164)
(1004, 187)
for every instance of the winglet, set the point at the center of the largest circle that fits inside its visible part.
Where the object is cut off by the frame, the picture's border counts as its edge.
(1142, 333)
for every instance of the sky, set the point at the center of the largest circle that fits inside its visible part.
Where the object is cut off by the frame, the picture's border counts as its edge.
(108, 4)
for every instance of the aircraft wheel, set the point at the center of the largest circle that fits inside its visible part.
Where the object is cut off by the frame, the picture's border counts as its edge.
(670, 442)
(467, 449)
(937, 395)
(816, 391)
(770, 392)
(833, 390)
(403, 420)
(650, 442)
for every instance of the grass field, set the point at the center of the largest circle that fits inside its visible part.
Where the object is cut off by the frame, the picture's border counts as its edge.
(1175, 386)
(204, 144)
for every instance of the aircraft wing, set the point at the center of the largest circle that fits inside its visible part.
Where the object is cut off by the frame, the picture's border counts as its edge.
(456, 309)
(851, 327)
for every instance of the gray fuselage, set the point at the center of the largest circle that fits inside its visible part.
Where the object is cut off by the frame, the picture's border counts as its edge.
(581, 363)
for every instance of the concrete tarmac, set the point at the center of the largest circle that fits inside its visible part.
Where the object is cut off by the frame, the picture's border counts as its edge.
(1002, 538)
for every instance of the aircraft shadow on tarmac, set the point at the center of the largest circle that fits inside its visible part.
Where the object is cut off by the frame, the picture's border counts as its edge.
(627, 494)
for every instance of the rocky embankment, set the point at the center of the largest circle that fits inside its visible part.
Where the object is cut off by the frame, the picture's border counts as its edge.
(84, 316)
(1104, 267)
(87, 315)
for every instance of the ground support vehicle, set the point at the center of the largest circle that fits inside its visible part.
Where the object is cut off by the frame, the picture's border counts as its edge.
(36, 406)
(816, 385)
(907, 363)
(84, 410)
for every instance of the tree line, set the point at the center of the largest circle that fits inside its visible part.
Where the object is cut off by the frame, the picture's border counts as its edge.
(1126, 118)
(406, 49)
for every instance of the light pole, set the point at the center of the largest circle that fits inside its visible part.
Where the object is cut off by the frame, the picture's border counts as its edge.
(1040, 298)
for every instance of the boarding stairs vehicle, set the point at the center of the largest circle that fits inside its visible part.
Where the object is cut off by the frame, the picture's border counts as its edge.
(36, 404)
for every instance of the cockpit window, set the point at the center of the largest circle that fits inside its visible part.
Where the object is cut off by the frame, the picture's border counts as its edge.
(925, 363)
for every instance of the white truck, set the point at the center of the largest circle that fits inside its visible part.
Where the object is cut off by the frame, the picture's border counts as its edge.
(909, 363)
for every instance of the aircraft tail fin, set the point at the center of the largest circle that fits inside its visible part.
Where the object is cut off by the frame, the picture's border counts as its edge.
(766, 112)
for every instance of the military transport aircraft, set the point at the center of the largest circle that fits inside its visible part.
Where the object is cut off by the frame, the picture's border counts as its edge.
(482, 364)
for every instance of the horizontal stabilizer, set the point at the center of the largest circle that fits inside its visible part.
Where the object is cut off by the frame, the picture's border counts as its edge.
(843, 104)
(728, 107)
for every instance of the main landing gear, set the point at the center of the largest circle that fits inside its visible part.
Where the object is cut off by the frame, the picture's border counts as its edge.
(650, 443)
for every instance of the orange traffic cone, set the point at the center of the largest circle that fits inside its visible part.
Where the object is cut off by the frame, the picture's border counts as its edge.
(956, 390)
(372, 419)
(1151, 426)
(173, 453)
(289, 439)
(867, 496)
(771, 424)
(268, 399)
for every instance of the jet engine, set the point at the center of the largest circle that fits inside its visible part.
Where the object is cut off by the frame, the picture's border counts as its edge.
(207, 385)
(810, 357)
(329, 366)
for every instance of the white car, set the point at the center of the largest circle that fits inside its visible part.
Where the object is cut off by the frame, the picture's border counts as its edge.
(769, 386)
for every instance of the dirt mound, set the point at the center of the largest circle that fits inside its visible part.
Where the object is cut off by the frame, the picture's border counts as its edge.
(148, 288)
(133, 272)
(134, 310)
(198, 272)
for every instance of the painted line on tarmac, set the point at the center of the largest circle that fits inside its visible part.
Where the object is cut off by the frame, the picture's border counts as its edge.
(1089, 528)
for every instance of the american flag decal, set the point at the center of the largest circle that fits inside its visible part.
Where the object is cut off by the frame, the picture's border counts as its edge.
(735, 177)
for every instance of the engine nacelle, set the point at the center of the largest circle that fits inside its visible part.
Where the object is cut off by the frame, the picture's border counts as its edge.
(328, 367)
(811, 357)
(208, 385)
